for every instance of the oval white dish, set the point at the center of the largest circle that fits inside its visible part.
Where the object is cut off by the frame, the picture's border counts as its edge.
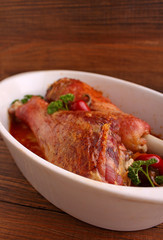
(100, 204)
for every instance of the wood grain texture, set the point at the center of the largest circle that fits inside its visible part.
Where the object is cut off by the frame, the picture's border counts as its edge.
(122, 39)
(119, 38)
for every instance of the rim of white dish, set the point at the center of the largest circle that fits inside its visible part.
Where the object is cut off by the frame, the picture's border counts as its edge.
(142, 194)
(64, 71)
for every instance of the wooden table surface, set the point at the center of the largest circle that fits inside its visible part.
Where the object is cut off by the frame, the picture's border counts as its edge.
(122, 39)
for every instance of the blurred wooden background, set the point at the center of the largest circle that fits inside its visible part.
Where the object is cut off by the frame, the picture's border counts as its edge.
(122, 39)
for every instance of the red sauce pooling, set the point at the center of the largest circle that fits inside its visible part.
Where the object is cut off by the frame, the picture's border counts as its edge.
(24, 135)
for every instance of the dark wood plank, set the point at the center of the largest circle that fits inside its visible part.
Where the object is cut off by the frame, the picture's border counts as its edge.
(19, 222)
(139, 65)
(123, 39)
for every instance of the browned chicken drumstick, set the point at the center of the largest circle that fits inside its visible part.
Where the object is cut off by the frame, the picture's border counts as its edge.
(132, 130)
(96, 143)
(85, 143)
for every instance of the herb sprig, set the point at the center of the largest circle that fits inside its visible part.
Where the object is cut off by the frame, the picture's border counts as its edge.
(25, 99)
(61, 104)
(159, 180)
(136, 167)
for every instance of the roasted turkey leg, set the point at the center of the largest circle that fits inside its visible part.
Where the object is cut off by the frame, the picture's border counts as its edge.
(132, 130)
(85, 143)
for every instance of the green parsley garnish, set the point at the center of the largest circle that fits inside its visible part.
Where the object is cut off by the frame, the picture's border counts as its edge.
(26, 98)
(55, 106)
(159, 180)
(14, 101)
(136, 167)
(61, 104)
(66, 99)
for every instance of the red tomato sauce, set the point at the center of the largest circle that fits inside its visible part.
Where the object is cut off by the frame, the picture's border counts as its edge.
(24, 135)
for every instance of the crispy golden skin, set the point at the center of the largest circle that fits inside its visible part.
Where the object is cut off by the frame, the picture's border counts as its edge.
(85, 143)
(132, 130)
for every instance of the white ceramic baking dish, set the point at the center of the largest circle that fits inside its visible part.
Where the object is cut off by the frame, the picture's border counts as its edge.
(101, 204)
